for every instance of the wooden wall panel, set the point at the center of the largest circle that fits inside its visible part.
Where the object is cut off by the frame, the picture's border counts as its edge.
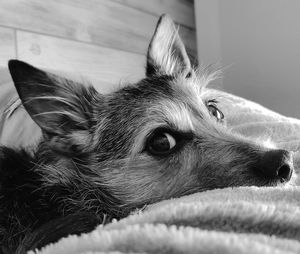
(182, 11)
(102, 22)
(103, 66)
(7, 45)
(7, 90)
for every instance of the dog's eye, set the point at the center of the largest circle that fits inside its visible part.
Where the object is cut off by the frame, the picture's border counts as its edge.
(188, 75)
(214, 111)
(160, 143)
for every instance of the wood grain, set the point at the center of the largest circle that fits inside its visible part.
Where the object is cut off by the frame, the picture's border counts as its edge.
(7, 45)
(6, 87)
(101, 22)
(182, 11)
(103, 66)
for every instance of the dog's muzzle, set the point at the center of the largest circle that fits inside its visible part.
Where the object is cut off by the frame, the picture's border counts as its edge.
(276, 165)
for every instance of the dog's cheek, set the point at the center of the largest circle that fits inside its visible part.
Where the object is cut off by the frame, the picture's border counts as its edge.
(143, 180)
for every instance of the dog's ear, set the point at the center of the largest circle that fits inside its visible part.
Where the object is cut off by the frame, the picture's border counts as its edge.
(166, 53)
(59, 106)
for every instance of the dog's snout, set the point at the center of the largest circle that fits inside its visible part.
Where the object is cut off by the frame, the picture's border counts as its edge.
(277, 164)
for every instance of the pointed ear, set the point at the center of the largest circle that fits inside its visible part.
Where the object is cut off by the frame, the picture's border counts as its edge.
(59, 106)
(166, 53)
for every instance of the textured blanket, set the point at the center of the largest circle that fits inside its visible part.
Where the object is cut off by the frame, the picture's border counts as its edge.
(233, 220)
(240, 220)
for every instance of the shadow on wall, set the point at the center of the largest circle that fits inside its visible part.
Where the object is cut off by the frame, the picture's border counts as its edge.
(260, 41)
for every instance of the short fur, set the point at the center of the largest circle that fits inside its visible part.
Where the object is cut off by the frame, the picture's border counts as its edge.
(93, 162)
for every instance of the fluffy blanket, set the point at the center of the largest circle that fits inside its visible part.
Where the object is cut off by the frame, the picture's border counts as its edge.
(233, 220)
(240, 220)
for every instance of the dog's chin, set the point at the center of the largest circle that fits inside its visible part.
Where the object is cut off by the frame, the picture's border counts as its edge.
(276, 182)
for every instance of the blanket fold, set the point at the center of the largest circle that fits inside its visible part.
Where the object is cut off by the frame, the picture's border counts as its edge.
(238, 220)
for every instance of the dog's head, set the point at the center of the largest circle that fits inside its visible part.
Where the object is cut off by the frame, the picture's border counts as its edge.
(159, 138)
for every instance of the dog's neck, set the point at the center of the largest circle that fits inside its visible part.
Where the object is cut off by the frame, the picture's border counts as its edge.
(23, 204)
(29, 205)
(46, 196)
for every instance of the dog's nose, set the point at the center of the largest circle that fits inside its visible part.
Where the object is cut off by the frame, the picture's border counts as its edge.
(277, 164)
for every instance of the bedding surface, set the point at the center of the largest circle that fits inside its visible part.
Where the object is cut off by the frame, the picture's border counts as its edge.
(232, 220)
(239, 220)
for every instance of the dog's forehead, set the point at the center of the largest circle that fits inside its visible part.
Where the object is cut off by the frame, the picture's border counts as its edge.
(167, 100)
(130, 114)
(178, 110)
(162, 87)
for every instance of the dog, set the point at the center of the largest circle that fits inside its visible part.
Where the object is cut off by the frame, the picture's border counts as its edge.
(103, 156)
